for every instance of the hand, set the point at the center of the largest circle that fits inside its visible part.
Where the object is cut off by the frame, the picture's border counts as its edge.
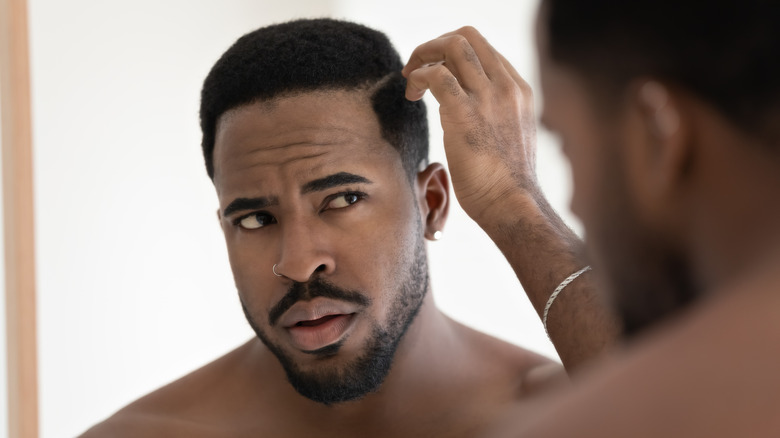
(488, 119)
(487, 113)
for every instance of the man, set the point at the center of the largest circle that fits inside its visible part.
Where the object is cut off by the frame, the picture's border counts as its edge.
(326, 199)
(669, 113)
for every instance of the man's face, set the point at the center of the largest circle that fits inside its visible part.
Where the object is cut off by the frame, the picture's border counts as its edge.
(307, 183)
(645, 274)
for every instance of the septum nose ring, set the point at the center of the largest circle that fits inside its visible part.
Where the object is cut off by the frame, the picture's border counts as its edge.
(274, 270)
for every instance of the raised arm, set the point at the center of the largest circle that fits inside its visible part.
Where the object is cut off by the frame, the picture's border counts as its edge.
(489, 127)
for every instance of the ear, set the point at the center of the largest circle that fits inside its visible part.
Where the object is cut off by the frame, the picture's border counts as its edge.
(660, 152)
(433, 197)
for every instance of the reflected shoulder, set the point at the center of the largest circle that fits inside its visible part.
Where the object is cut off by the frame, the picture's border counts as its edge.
(184, 407)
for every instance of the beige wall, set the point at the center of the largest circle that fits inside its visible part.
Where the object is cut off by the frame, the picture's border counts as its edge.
(3, 369)
(19, 363)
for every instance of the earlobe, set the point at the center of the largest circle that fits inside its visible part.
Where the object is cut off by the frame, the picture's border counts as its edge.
(433, 198)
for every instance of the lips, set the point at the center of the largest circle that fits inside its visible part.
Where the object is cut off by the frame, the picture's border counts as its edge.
(316, 324)
(311, 336)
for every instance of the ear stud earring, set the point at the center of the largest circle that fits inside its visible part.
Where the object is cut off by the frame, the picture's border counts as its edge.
(437, 235)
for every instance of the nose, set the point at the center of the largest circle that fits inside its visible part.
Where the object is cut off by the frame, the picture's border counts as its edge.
(304, 251)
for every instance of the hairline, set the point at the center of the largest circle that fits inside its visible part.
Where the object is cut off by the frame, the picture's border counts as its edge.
(367, 90)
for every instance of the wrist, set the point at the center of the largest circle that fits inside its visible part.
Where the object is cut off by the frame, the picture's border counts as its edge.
(510, 208)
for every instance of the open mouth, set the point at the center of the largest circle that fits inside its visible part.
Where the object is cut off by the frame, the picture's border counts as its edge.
(316, 322)
(315, 334)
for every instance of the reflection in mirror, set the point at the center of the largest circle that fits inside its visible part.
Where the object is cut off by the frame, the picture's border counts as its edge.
(135, 289)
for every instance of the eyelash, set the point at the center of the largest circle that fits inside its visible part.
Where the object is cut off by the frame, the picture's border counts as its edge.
(237, 221)
(360, 195)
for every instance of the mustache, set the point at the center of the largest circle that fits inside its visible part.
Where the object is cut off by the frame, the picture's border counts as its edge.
(310, 290)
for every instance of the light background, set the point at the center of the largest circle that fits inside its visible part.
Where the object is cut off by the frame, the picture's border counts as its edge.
(134, 286)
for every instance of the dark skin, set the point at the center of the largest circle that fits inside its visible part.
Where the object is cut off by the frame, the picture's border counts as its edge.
(702, 188)
(447, 380)
(490, 139)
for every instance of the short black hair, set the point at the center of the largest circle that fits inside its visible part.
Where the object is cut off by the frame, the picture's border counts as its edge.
(726, 52)
(310, 55)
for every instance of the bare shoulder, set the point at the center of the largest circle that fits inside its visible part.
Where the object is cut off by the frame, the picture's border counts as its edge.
(184, 407)
(507, 362)
(708, 372)
(130, 423)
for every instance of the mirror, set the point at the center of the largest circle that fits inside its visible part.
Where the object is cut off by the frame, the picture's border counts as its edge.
(134, 286)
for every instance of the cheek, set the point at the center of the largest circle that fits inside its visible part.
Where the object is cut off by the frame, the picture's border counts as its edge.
(583, 146)
(587, 167)
(379, 255)
(252, 271)
(375, 246)
(246, 265)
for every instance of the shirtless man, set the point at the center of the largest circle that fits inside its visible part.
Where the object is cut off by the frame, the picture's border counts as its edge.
(326, 199)
(669, 112)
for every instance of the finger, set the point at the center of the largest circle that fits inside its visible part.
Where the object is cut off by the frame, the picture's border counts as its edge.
(439, 79)
(495, 66)
(458, 56)
(514, 74)
(488, 56)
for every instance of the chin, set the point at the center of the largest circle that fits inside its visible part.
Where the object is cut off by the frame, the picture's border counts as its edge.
(335, 378)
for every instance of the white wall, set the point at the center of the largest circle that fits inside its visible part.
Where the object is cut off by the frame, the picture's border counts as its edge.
(134, 285)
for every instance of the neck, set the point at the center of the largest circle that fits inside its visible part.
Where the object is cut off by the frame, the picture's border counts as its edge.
(736, 215)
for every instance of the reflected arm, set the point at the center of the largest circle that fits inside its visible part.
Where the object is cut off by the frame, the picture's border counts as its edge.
(487, 113)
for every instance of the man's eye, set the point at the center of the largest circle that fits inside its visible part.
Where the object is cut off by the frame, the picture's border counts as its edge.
(344, 200)
(256, 220)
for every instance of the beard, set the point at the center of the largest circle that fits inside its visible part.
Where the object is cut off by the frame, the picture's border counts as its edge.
(648, 276)
(366, 373)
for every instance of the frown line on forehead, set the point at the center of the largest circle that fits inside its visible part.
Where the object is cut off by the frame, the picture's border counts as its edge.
(335, 180)
(317, 185)
(244, 204)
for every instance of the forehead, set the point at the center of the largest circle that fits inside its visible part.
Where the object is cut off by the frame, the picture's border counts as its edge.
(300, 136)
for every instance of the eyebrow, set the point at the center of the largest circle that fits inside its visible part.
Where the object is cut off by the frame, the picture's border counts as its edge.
(335, 180)
(317, 185)
(241, 204)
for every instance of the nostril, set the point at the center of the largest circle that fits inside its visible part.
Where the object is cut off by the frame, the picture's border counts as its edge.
(320, 268)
